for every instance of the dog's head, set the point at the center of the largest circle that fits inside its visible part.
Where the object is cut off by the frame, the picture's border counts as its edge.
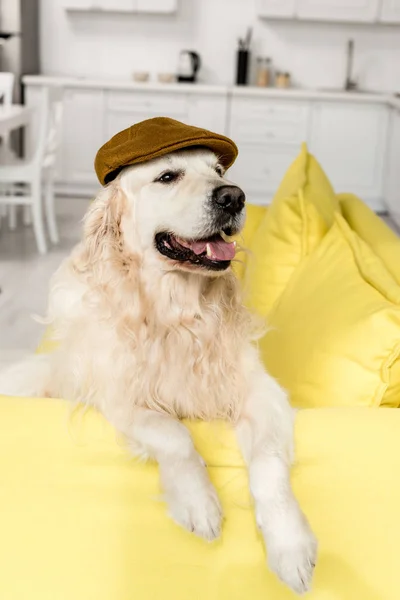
(179, 209)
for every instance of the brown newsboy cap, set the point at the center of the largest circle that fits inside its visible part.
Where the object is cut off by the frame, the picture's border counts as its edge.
(156, 137)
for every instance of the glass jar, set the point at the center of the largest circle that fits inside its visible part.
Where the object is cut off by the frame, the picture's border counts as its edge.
(282, 80)
(263, 71)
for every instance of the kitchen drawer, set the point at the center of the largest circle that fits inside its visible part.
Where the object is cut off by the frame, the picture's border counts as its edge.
(259, 170)
(263, 122)
(266, 109)
(157, 104)
(259, 131)
(115, 122)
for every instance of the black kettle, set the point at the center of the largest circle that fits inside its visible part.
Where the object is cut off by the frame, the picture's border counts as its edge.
(189, 64)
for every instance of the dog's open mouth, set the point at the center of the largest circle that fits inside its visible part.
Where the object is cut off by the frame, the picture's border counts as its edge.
(214, 253)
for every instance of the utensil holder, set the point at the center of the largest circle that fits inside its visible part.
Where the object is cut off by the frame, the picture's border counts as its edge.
(242, 64)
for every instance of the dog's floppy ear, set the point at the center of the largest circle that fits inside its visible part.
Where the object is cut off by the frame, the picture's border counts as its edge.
(102, 224)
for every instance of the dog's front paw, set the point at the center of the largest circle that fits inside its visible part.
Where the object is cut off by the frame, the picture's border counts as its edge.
(292, 550)
(294, 562)
(194, 504)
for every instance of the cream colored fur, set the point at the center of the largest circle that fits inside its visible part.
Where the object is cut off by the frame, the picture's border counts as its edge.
(148, 342)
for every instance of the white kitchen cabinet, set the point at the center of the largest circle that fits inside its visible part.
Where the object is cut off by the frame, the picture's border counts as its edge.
(156, 6)
(392, 192)
(268, 133)
(100, 5)
(350, 135)
(276, 8)
(266, 121)
(390, 11)
(259, 170)
(208, 112)
(349, 140)
(125, 108)
(83, 133)
(132, 6)
(338, 10)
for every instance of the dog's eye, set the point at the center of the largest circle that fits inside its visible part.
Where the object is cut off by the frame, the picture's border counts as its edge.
(168, 177)
(219, 170)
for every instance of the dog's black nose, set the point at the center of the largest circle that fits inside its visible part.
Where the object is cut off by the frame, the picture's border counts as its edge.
(230, 198)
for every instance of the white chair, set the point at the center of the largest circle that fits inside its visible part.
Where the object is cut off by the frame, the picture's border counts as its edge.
(6, 96)
(23, 181)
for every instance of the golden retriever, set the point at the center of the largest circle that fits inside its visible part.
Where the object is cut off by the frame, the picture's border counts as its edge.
(151, 328)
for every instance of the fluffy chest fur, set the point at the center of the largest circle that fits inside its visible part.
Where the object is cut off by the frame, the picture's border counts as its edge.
(172, 342)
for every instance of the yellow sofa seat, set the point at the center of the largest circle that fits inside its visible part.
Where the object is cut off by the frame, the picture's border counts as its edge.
(81, 520)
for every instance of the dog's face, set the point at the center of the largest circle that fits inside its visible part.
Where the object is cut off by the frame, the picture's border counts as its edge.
(184, 210)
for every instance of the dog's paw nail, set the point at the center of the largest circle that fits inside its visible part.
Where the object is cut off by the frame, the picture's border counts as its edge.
(294, 563)
(199, 513)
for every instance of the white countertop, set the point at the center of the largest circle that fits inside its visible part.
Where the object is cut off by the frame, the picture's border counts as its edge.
(307, 94)
(123, 84)
(200, 88)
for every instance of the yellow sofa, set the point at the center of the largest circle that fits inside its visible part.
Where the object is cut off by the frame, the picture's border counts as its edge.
(80, 519)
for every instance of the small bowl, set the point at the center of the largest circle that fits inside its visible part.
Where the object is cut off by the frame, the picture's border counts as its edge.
(141, 76)
(166, 77)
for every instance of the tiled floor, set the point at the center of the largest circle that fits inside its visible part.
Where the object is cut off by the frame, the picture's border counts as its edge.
(24, 278)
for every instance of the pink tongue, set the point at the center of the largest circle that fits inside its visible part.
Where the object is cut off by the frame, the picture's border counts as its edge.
(221, 250)
(217, 250)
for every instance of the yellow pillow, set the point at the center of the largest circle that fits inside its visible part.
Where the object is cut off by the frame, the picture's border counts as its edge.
(301, 213)
(306, 175)
(335, 331)
(383, 241)
(254, 216)
(386, 244)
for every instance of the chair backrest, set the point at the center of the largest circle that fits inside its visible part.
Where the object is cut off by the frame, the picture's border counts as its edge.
(50, 127)
(6, 87)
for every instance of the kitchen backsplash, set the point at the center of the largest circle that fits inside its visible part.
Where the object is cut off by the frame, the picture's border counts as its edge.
(115, 45)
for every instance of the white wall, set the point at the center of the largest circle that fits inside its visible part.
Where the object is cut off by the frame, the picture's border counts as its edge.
(115, 45)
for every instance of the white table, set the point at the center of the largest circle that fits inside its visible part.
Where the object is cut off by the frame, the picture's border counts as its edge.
(13, 117)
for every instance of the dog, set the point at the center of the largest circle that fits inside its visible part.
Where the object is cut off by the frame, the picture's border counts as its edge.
(150, 329)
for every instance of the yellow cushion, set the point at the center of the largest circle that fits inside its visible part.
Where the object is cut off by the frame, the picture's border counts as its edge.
(384, 242)
(254, 216)
(301, 213)
(335, 332)
(306, 175)
(81, 520)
